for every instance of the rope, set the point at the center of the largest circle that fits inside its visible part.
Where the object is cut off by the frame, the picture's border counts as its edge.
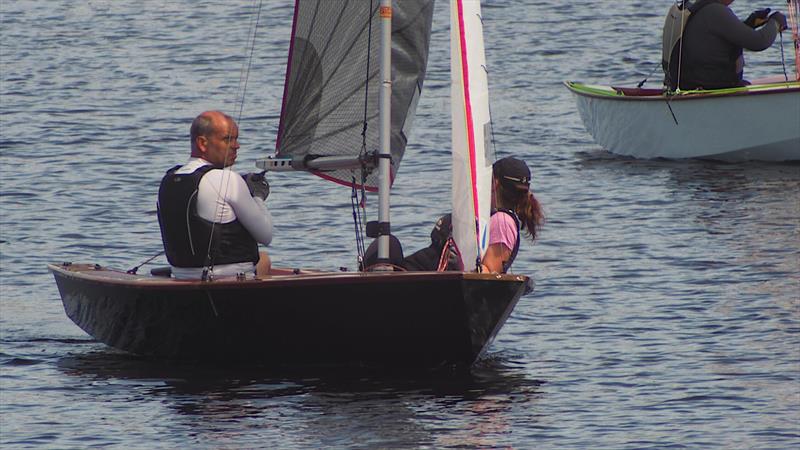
(641, 83)
(783, 58)
(680, 56)
(241, 91)
(366, 81)
(357, 221)
(491, 121)
(133, 271)
(254, 23)
(359, 205)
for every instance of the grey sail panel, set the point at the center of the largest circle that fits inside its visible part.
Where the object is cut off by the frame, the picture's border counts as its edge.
(332, 80)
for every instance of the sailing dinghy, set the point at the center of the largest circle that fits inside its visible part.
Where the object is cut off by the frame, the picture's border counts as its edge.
(350, 96)
(756, 122)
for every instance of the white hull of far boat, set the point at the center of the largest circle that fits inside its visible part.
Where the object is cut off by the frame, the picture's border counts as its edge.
(759, 122)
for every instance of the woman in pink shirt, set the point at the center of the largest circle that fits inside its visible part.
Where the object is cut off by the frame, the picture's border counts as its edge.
(515, 209)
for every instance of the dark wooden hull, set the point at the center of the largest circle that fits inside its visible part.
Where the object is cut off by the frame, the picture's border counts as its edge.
(389, 318)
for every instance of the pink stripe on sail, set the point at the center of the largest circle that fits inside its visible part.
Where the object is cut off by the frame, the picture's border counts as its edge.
(468, 106)
(369, 188)
(286, 80)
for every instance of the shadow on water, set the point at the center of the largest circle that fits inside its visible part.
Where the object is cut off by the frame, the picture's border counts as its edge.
(489, 375)
(331, 402)
(599, 158)
(700, 175)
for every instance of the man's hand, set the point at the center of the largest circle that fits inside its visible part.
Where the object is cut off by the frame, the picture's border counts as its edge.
(257, 184)
(781, 19)
(757, 18)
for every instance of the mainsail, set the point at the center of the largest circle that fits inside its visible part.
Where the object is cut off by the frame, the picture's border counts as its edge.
(472, 163)
(330, 102)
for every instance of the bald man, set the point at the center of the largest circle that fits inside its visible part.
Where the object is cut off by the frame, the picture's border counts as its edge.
(212, 219)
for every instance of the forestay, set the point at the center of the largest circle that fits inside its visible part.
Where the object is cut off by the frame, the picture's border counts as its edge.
(472, 161)
(332, 82)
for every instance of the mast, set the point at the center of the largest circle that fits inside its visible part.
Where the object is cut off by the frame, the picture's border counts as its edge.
(385, 118)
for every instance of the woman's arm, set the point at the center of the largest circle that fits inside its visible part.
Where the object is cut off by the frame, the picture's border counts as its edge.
(495, 256)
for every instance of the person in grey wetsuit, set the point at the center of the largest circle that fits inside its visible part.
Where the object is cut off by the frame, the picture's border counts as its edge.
(212, 219)
(714, 39)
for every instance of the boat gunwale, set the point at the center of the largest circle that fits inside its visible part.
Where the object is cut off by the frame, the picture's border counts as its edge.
(104, 275)
(585, 90)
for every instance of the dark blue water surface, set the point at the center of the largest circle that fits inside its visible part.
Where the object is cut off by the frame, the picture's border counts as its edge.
(667, 306)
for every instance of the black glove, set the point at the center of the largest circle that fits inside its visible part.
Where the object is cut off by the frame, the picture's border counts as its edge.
(757, 18)
(781, 19)
(257, 184)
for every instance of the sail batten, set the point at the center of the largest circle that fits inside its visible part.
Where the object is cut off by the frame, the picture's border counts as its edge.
(331, 94)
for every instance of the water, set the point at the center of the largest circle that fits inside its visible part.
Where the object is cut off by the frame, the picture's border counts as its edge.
(666, 312)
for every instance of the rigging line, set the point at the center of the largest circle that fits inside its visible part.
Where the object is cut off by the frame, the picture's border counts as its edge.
(366, 81)
(250, 59)
(211, 302)
(669, 99)
(222, 195)
(667, 75)
(641, 83)
(363, 207)
(242, 71)
(655, 65)
(783, 58)
(491, 118)
(241, 91)
(354, 203)
(680, 54)
(359, 210)
(359, 206)
(136, 269)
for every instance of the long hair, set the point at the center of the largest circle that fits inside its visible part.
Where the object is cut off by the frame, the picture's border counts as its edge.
(524, 204)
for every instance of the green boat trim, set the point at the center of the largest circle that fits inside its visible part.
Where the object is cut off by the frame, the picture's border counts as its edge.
(608, 91)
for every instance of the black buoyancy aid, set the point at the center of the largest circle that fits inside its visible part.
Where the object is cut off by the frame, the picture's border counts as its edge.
(428, 258)
(515, 250)
(675, 25)
(186, 235)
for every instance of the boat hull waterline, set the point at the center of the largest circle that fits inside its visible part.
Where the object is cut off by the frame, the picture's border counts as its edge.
(383, 318)
(759, 122)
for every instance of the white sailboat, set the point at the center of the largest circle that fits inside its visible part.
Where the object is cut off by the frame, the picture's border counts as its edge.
(350, 96)
(756, 122)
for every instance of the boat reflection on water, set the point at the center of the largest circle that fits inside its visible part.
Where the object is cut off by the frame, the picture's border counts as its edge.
(441, 406)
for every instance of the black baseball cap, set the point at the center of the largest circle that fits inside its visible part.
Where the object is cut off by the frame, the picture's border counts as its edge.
(512, 172)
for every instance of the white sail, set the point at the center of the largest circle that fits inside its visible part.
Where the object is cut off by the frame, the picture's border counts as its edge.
(472, 165)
